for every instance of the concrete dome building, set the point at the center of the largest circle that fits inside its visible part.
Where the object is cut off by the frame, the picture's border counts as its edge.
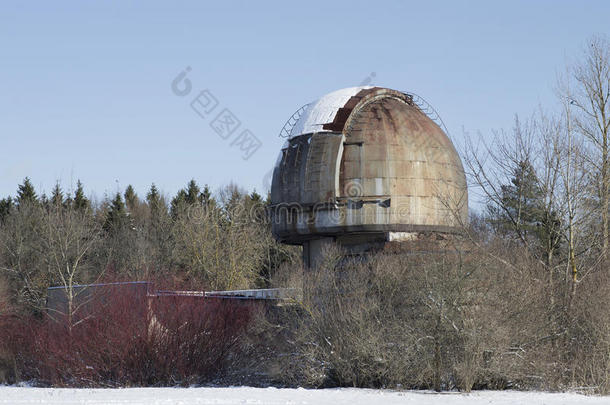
(362, 167)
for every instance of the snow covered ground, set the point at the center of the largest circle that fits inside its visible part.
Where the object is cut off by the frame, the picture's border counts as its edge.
(272, 396)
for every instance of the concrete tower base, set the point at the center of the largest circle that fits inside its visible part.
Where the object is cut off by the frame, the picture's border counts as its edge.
(314, 250)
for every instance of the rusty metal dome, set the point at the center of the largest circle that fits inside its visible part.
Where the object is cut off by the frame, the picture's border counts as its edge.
(366, 162)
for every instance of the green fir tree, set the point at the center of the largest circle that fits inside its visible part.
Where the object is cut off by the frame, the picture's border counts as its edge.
(26, 193)
(57, 196)
(193, 194)
(131, 198)
(80, 202)
(6, 206)
(116, 217)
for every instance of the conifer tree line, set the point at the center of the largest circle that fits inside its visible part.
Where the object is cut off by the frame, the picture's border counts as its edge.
(212, 241)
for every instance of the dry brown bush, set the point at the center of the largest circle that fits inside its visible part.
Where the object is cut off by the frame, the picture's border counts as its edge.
(586, 359)
(454, 318)
(7, 359)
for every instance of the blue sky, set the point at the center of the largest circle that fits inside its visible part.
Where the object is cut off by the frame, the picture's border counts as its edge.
(85, 87)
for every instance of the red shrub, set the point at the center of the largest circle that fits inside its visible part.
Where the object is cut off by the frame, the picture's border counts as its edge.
(130, 339)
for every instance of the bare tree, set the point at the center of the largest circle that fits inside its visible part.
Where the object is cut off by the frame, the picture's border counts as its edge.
(517, 175)
(572, 175)
(220, 246)
(20, 256)
(591, 118)
(68, 237)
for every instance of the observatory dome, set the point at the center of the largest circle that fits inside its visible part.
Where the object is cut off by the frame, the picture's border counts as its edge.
(366, 164)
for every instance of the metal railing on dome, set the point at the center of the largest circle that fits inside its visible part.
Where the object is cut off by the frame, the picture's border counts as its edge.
(292, 121)
(419, 101)
(427, 109)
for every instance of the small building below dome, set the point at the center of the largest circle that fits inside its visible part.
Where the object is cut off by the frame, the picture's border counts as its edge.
(362, 167)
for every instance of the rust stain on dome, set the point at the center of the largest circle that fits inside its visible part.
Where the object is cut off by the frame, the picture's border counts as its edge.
(378, 165)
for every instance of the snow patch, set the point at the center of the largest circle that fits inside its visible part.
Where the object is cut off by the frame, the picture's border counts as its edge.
(323, 111)
(273, 396)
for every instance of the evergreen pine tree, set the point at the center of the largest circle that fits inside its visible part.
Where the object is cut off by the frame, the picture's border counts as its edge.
(234, 207)
(80, 201)
(117, 214)
(520, 203)
(26, 193)
(234, 199)
(178, 203)
(57, 196)
(185, 197)
(153, 198)
(131, 198)
(6, 205)
(192, 192)
(206, 198)
(44, 201)
(256, 197)
(522, 210)
(255, 207)
(156, 205)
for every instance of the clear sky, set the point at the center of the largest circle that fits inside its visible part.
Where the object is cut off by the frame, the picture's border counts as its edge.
(85, 87)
